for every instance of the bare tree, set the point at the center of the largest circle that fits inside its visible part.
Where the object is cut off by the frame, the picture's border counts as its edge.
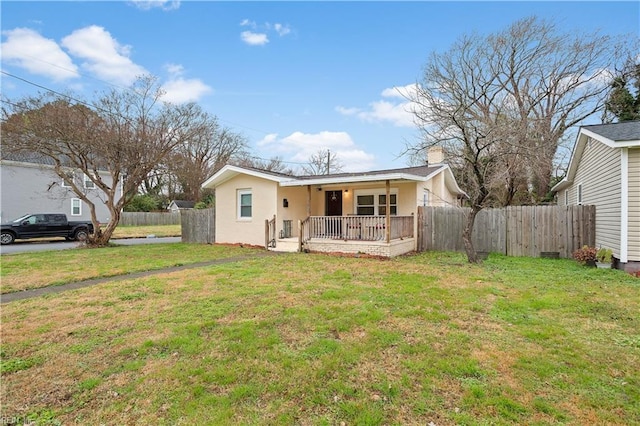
(323, 162)
(502, 104)
(274, 164)
(126, 133)
(194, 160)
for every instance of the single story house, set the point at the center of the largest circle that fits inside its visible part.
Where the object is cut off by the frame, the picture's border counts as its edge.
(30, 185)
(370, 212)
(177, 205)
(604, 171)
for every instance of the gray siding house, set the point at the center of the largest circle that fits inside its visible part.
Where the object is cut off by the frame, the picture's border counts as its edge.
(30, 185)
(605, 171)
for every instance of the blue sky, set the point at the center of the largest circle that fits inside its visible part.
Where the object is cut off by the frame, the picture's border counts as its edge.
(292, 77)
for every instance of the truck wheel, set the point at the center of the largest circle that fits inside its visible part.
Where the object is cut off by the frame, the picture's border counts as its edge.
(81, 235)
(7, 238)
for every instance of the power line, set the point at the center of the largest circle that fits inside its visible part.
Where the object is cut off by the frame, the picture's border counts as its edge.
(109, 112)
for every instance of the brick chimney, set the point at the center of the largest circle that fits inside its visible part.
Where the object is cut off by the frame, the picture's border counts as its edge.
(435, 155)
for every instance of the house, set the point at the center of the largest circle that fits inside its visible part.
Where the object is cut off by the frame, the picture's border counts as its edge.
(371, 212)
(177, 205)
(604, 171)
(30, 185)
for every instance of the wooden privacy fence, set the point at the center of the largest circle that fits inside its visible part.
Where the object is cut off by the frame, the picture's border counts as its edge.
(199, 226)
(513, 231)
(149, 218)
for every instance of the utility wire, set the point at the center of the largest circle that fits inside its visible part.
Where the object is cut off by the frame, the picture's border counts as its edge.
(109, 112)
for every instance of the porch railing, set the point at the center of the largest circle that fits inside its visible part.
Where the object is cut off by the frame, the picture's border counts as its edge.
(362, 228)
(270, 232)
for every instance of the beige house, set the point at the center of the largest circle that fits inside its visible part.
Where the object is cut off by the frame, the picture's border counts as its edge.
(370, 212)
(605, 171)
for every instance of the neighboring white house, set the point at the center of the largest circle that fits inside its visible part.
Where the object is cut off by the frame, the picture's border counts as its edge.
(605, 171)
(370, 212)
(177, 205)
(29, 185)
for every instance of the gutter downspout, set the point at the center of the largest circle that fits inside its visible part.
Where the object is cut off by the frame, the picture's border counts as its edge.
(624, 205)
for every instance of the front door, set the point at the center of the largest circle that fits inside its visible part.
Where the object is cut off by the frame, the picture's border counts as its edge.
(333, 207)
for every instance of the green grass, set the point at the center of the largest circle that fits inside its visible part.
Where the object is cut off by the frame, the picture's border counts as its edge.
(33, 270)
(321, 340)
(144, 231)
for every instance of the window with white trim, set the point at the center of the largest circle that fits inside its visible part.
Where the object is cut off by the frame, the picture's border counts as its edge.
(373, 203)
(566, 197)
(245, 204)
(579, 193)
(76, 207)
(88, 183)
(71, 176)
(393, 204)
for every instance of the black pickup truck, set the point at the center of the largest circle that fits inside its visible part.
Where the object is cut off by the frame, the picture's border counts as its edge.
(44, 225)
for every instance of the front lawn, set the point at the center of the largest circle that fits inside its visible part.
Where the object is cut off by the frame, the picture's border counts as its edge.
(316, 339)
(40, 269)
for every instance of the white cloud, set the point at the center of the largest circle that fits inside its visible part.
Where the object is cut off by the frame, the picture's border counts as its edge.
(174, 69)
(396, 109)
(254, 39)
(151, 4)
(259, 36)
(282, 30)
(103, 55)
(38, 55)
(179, 90)
(298, 147)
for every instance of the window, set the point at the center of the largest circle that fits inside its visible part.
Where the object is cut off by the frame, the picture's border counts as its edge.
(425, 198)
(369, 203)
(365, 205)
(579, 193)
(71, 176)
(76, 207)
(245, 203)
(88, 183)
(566, 197)
(382, 204)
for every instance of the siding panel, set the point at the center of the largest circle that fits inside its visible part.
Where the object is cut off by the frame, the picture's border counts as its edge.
(599, 174)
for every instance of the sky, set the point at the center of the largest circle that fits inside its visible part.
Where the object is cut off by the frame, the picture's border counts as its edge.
(291, 77)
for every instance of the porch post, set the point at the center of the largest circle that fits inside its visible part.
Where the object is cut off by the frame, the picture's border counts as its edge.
(308, 200)
(387, 211)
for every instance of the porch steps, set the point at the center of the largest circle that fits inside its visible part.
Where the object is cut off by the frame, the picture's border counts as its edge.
(289, 245)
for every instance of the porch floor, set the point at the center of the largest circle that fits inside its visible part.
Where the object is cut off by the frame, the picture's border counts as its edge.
(286, 245)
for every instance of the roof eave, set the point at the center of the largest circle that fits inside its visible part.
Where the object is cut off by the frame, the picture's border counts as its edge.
(229, 172)
(327, 180)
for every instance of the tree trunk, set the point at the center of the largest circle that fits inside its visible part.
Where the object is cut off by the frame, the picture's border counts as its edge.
(102, 236)
(472, 256)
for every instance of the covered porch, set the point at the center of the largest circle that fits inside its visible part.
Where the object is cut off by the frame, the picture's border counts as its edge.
(375, 217)
(347, 234)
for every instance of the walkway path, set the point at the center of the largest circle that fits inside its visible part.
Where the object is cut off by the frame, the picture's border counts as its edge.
(36, 292)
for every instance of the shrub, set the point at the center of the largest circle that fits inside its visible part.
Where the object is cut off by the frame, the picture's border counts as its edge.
(142, 203)
(604, 255)
(586, 255)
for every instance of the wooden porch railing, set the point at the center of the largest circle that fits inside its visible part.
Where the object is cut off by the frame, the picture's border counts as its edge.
(358, 228)
(270, 232)
(303, 233)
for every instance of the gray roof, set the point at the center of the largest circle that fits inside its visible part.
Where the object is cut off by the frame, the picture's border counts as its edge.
(624, 131)
(418, 171)
(26, 157)
(184, 204)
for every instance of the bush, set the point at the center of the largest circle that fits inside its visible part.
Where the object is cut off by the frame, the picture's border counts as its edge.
(143, 203)
(604, 255)
(586, 255)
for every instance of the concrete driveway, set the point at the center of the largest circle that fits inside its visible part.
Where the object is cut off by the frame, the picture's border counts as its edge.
(33, 246)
